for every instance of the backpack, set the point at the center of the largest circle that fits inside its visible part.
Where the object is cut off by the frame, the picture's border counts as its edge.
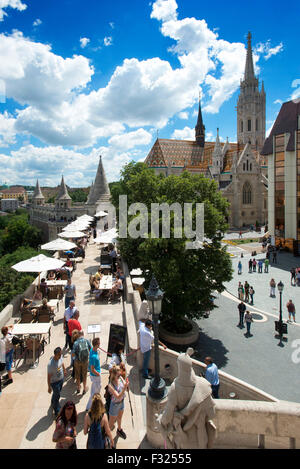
(83, 350)
(95, 438)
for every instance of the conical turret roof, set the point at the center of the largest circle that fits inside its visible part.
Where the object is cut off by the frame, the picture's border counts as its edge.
(100, 190)
(63, 192)
(37, 192)
(249, 67)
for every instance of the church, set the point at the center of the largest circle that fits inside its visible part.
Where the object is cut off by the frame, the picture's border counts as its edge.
(237, 167)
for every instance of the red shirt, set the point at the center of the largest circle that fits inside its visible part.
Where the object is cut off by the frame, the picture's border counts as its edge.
(72, 325)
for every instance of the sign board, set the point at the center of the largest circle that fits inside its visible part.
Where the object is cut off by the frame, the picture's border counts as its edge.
(117, 335)
(94, 328)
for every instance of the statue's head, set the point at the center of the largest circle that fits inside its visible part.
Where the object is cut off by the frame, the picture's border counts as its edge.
(186, 375)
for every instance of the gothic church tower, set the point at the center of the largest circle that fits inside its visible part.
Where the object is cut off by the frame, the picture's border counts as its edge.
(251, 107)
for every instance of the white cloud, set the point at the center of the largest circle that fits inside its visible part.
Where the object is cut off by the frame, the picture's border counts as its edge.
(296, 94)
(107, 41)
(278, 101)
(164, 10)
(183, 115)
(112, 25)
(7, 130)
(37, 22)
(267, 51)
(130, 140)
(16, 4)
(184, 134)
(84, 42)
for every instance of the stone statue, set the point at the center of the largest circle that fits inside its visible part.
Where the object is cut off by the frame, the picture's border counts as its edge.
(186, 422)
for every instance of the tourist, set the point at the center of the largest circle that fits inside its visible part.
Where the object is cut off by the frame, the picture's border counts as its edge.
(240, 291)
(117, 357)
(45, 309)
(117, 387)
(96, 425)
(81, 352)
(291, 310)
(212, 376)
(239, 268)
(65, 431)
(251, 293)
(95, 370)
(240, 235)
(51, 275)
(68, 314)
(9, 352)
(113, 255)
(246, 287)
(260, 266)
(250, 266)
(272, 288)
(146, 340)
(275, 256)
(248, 321)
(242, 309)
(37, 297)
(267, 266)
(298, 277)
(117, 285)
(254, 265)
(293, 276)
(73, 323)
(56, 375)
(70, 293)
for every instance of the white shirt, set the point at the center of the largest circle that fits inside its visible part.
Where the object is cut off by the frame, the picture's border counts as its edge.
(146, 339)
(69, 313)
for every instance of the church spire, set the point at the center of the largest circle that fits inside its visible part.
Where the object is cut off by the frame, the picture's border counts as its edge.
(200, 128)
(249, 67)
(63, 191)
(100, 190)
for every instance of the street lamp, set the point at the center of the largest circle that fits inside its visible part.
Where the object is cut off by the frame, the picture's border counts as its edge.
(280, 327)
(154, 296)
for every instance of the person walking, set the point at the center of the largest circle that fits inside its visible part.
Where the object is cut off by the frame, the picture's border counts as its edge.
(254, 265)
(9, 352)
(68, 314)
(146, 340)
(212, 376)
(242, 309)
(266, 265)
(260, 266)
(95, 370)
(275, 256)
(96, 425)
(293, 276)
(246, 287)
(70, 293)
(272, 288)
(250, 266)
(291, 310)
(239, 268)
(81, 351)
(248, 321)
(65, 431)
(251, 293)
(56, 374)
(117, 387)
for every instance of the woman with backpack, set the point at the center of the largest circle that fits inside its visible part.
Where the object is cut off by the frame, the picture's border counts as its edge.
(96, 425)
(117, 387)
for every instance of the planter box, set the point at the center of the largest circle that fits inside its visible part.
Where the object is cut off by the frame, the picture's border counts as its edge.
(180, 339)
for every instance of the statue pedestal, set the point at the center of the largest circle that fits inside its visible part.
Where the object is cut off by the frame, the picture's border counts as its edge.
(154, 408)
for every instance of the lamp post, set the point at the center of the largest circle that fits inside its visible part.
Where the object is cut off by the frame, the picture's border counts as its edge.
(154, 296)
(280, 287)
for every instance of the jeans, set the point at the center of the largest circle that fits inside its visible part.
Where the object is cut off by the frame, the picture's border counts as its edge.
(241, 318)
(146, 360)
(56, 388)
(248, 324)
(215, 390)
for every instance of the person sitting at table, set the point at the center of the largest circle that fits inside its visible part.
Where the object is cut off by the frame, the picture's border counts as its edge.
(45, 309)
(120, 273)
(95, 284)
(68, 262)
(117, 285)
(37, 296)
(51, 275)
(98, 275)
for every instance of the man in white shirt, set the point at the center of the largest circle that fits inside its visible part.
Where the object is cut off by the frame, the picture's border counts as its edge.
(146, 340)
(69, 313)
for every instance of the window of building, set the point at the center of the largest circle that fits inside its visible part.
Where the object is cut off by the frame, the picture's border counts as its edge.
(242, 126)
(249, 125)
(247, 194)
(256, 124)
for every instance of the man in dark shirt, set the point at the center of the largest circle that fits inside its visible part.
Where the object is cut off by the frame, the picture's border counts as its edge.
(242, 309)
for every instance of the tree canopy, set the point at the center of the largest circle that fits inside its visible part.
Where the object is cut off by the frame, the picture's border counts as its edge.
(187, 276)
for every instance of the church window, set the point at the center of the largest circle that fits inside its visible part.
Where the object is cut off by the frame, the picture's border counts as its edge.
(256, 125)
(249, 125)
(247, 165)
(247, 194)
(242, 126)
(250, 166)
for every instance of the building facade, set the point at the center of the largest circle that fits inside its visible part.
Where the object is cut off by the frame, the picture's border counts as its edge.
(9, 205)
(282, 148)
(238, 167)
(52, 218)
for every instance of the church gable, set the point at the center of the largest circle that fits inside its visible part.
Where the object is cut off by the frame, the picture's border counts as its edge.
(155, 157)
(247, 160)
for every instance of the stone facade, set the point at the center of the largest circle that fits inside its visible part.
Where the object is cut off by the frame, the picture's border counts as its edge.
(237, 167)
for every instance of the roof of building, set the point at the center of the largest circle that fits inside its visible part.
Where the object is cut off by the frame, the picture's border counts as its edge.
(63, 191)
(100, 189)
(13, 190)
(37, 192)
(286, 122)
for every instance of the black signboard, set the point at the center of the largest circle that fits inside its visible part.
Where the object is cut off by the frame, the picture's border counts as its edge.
(117, 335)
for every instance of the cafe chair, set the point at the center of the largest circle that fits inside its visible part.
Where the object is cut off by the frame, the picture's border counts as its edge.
(26, 317)
(29, 343)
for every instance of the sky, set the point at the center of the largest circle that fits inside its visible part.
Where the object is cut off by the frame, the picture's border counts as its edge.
(79, 79)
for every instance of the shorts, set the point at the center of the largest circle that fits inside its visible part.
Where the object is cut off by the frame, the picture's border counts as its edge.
(9, 359)
(81, 369)
(115, 408)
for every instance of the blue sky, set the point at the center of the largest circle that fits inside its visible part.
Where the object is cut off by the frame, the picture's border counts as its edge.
(79, 79)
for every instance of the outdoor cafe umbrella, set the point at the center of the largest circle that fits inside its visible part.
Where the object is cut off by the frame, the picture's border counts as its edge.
(136, 272)
(101, 214)
(38, 264)
(107, 237)
(58, 245)
(72, 234)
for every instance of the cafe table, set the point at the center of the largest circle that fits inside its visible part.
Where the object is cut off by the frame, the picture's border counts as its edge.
(32, 329)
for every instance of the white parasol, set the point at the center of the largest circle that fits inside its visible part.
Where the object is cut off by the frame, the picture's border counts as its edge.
(38, 264)
(101, 214)
(136, 272)
(58, 245)
(72, 234)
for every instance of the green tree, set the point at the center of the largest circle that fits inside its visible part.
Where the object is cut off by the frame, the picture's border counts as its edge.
(78, 195)
(19, 232)
(188, 277)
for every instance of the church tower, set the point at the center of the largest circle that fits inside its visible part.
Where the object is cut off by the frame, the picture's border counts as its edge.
(251, 106)
(200, 128)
